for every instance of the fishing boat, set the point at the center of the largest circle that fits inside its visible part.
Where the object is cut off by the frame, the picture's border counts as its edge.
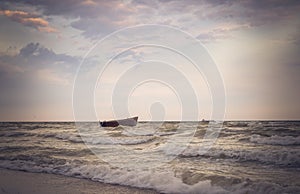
(125, 122)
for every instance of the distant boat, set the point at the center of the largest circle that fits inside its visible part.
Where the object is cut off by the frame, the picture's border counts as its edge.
(125, 122)
(203, 121)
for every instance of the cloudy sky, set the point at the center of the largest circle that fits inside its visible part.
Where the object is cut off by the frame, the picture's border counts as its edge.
(255, 45)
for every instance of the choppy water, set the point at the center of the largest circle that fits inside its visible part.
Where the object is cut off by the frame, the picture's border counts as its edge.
(247, 157)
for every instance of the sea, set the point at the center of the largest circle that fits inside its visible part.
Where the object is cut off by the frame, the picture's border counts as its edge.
(168, 157)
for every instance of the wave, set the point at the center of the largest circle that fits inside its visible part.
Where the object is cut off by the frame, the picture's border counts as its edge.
(165, 182)
(275, 140)
(12, 134)
(274, 157)
(119, 140)
(105, 140)
(70, 137)
(93, 139)
(236, 124)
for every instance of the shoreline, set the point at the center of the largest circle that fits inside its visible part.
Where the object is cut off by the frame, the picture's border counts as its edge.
(14, 181)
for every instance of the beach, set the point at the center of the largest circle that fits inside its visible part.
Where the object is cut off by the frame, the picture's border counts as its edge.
(12, 181)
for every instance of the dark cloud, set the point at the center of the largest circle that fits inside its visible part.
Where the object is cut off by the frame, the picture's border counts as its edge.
(33, 58)
(29, 49)
(37, 54)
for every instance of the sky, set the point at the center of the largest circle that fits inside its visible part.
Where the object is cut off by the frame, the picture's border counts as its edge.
(255, 46)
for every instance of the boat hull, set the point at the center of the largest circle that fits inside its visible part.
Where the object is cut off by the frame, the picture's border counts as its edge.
(125, 122)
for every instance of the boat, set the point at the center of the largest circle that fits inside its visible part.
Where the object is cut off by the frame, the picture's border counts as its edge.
(203, 121)
(125, 122)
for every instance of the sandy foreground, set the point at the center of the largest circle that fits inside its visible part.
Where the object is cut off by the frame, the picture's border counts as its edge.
(25, 182)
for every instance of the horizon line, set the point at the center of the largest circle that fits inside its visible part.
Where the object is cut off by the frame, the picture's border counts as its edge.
(69, 121)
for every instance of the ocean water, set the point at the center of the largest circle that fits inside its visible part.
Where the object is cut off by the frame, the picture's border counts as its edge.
(244, 157)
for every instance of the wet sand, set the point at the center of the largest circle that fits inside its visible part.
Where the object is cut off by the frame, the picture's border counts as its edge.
(26, 182)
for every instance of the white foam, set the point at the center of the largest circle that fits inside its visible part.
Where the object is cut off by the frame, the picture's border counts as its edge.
(160, 181)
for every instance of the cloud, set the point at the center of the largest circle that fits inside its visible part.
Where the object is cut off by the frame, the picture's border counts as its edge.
(36, 54)
(28, 19)
(221, 32)
(98, 18)
(253, 13)
(92, 17)
(41, 63)
(91, 30)
(36, 81)
(78, 8)
(250, 12)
